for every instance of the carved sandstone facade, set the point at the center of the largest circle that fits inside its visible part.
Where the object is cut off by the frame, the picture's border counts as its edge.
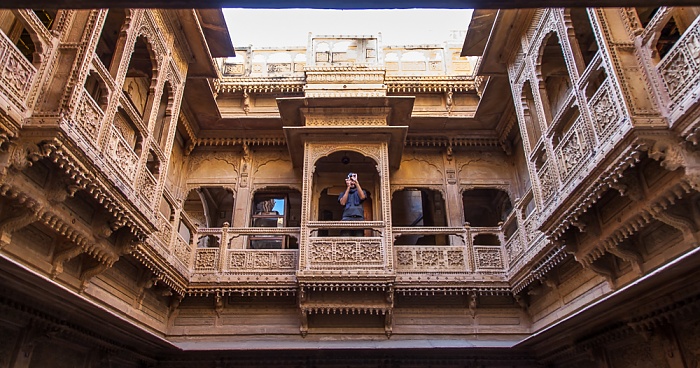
(533, 193)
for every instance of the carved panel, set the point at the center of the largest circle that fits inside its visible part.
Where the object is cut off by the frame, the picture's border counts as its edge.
(256, 260)
(182, 251)
(163, 231)
(573, 150)
(604, 112)
(231, 69)
(431, 259)
(206, 259)
(680, 69)
(147, 187)
(123, 157)
(548, 182)
(488, 258)
(513, 247)
(89, 117)
(17, 74)
(343, 252)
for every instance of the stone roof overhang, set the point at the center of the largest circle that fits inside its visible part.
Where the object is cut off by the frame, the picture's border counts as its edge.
(492, 36)
(394, 133)
(478, 32)
(207, 37)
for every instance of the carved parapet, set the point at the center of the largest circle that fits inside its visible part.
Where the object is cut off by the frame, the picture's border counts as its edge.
(422, 259)
(573, 150)
(262, 261)
(679, 69)
(17, 74)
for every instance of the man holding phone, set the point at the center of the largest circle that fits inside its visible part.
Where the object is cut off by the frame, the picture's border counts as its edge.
(352, 199)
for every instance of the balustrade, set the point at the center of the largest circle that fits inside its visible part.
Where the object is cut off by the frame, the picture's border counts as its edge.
(89, 118)
(147, 187)
(17, 73)
(680, 68)
(122, 155)
(347, 252)
(573, 150)
(215, 243)
(548, 182)
(604, 112)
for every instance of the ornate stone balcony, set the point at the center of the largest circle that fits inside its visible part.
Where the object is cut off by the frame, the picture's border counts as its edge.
(17, 76)
(464, 259)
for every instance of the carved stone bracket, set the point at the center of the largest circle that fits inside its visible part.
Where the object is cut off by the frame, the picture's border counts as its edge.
(604, 271)
(21, 212)
(685, 225)
(69, 252)
(629, 255)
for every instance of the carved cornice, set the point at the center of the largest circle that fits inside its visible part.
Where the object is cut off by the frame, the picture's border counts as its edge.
(261, 85)
(253, 141)
(640, 219)
(242, 291)
(606, 180)
(87, 242)
(423, 84)
(163, 270)
(84, 179)
(546, 264)
(438, 141)
(453, 290)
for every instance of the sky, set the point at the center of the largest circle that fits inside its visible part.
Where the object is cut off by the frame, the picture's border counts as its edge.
(291, 27)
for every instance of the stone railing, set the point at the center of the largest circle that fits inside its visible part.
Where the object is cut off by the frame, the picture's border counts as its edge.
(456, 235)
(605, 113)
(88, 118)
(680, 68)
(548, 182)
(16, 73)
(573, 150)
(122, 155)
(217, 257)
(434, 258)
(247, 261)
(183, 251)
(147, 187)
(346, 253)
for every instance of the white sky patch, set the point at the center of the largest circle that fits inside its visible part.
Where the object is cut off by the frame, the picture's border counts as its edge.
(291, 27)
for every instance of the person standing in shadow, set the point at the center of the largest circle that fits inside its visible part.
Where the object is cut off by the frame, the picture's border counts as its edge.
(352, 199)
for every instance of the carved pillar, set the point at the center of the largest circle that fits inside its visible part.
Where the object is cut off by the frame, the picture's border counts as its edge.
(243, 199)
(453, 200)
